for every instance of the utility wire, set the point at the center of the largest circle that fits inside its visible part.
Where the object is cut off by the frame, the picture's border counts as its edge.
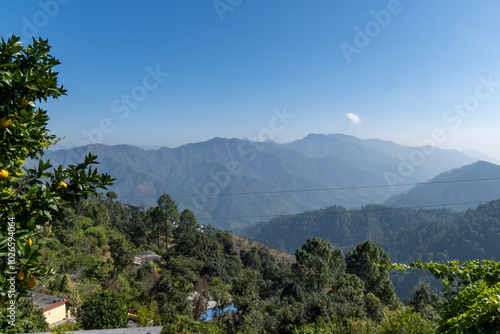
(333, 189)
(326, 211)
(321, 189)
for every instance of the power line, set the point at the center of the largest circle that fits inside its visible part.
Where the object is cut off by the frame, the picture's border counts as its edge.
(324, 211)
(321, 189)
(333, 189)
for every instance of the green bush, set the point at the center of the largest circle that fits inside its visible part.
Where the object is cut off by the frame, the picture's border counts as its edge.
(405, 321)
(98, 233)
(321, 327)
(103, 310)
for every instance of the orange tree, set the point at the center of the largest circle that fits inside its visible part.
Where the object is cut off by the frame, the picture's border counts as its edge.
(30, 197)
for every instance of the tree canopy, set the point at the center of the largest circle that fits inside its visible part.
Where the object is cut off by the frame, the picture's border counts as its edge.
(317, 263)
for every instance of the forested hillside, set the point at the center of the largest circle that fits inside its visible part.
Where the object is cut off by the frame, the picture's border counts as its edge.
(92, 251)
(343, 227)
(474, 234)
(438, 235)
(406, 234)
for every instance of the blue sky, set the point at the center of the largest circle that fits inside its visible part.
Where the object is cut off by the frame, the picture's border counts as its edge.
(407, 71)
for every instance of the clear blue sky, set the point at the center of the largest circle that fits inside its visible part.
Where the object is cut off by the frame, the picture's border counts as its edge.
(396, 70)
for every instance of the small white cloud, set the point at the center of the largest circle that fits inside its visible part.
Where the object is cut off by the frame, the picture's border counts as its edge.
(353, 118)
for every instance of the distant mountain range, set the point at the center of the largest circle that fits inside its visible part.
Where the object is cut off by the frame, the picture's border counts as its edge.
(233, 183)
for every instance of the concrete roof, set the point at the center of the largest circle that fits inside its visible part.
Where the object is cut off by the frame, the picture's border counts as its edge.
(138, 330)
(45, 301)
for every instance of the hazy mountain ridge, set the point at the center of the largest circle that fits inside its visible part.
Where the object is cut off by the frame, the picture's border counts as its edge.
(263, 177)
(443, 190)
(377, 154)
(481, 156)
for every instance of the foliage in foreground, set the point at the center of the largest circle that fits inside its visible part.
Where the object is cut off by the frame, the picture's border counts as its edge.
(472, 295)
(31, 196)
(29, 318)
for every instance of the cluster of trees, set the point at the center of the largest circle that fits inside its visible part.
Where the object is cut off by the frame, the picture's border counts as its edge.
(471, 295)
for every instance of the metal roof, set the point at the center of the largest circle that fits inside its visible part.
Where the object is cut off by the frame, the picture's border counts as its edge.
(148, 254)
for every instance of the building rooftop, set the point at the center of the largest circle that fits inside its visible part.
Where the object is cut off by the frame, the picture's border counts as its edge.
(45, 301)
(148, 254)
(146, 257)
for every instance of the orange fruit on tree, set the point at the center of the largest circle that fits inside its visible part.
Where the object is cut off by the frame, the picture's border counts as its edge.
(30, 242)
(3, 174)
(31, 282)
(20, 275)
(63, 184)
(4, 123)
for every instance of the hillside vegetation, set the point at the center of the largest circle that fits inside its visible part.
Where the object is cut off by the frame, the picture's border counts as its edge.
(324, 287)
(438, 235)
(92, 251)
(343, 227)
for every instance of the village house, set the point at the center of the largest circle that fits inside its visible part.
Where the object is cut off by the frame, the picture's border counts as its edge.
(146, 257)
(54, 308)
